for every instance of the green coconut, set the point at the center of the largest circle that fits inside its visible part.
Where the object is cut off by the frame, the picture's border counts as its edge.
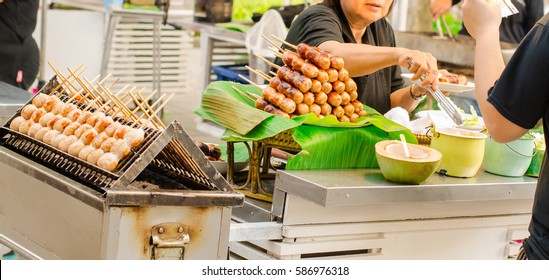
(395, 166)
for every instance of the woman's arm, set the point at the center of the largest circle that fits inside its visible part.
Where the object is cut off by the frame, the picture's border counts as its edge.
(364, 59)
(482, 19)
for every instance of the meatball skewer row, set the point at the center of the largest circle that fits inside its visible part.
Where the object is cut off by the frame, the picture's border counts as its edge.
(301, 107)
(276, 98)
(295, 78)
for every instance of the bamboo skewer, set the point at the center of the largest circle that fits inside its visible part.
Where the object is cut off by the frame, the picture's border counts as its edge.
(119, 109)
(150, 95)
(109, 94)
(107, 89)
(112, 108)
(279, 55)
(57, 72)
(268, 61)
(272, 43)
(159, 107)
(145, 112)
(80, 91)
(245, 95)
(276, 52)
(85, 97)
(63, 79)
(133, 113)
(249, 81)
(155, 103)
(102, 81)
(149, 108)
(84, 86)
(119, 103)
(284, 42)
(113, 83)
(89, 105)
(109, 101)
(259, 73)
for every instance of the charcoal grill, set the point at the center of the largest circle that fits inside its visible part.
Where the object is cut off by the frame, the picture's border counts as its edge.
(164, 201)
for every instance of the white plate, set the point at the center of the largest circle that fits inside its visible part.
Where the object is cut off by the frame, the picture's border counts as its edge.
(444, 86)
(222, 166)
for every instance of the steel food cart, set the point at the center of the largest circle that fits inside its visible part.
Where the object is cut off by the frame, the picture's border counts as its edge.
(357, 214)
(165, 200)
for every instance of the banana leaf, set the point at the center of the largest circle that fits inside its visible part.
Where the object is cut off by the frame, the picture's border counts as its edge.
(223, 105)
(341, 148)
(326, 143)
(241, 153)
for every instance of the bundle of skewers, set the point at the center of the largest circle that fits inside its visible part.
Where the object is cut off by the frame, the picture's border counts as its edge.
(311, 81)
(88, 121)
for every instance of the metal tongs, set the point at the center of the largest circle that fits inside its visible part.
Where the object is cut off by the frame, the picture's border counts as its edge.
(445, 103)
(439, 28)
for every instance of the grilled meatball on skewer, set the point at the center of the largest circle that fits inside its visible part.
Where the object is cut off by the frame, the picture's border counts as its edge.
(292, 59)
(108, 161)
(16, 122)
(287, 89)
(25, 126)
(28, 110)
(315, 55)
(35, 127)
(35, 117)
(39, 100)
(295, 78)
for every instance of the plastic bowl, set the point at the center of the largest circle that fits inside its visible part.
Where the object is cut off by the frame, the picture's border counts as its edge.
(508, 159)
(462, 151)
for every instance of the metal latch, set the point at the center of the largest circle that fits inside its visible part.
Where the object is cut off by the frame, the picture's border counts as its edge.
(168, 241)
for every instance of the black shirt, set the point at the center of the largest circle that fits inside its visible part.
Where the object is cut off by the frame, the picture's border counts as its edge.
(522, 96)
(513, 28)
(17, 19)
(18, 50)
(319, 24)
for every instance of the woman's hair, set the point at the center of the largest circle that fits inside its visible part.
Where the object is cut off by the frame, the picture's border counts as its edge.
(335, 4)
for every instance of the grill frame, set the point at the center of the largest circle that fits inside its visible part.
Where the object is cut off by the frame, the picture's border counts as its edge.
(171, 149)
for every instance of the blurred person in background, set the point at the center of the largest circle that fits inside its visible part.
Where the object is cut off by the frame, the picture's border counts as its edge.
(514, 98)
(513, 28)
(19, 53)
(358, 31)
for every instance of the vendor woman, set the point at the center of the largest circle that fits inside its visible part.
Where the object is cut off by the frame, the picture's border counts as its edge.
(358, 31)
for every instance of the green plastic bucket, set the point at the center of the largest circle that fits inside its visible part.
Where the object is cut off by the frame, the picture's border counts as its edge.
(535, 165)
(508, 159)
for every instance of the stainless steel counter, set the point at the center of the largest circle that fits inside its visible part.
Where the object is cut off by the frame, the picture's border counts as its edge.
(368, 186)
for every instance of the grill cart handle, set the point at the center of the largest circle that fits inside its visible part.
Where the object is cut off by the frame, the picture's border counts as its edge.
(169, 240)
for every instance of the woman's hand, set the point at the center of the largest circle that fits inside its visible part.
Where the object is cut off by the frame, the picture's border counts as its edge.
(481, 17)
(420, 64)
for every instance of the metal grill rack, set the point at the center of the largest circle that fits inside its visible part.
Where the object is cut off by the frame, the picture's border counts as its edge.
(171, 150)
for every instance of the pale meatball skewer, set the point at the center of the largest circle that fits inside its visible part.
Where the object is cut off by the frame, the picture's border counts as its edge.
(39, 99)
(28, 110)
(16, 122)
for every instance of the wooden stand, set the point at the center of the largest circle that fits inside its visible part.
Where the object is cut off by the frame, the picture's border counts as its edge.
(259, 166)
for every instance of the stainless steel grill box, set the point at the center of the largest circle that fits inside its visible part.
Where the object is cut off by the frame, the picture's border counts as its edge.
(164, 201)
